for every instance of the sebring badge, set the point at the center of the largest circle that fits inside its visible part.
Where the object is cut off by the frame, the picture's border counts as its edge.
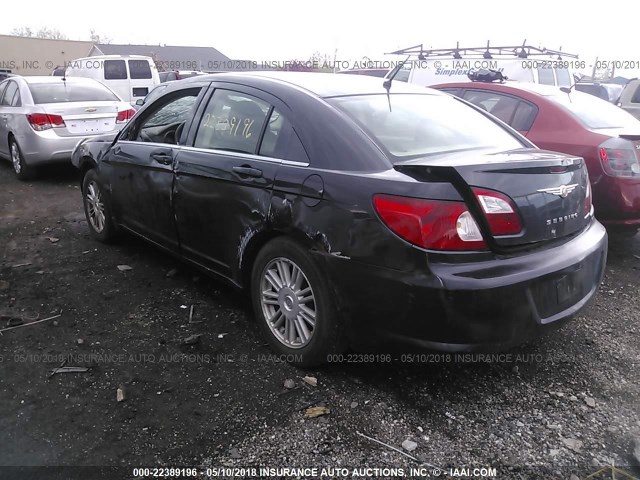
(562, 191)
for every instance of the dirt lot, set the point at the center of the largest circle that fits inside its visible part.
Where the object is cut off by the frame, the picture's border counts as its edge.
(566, 404)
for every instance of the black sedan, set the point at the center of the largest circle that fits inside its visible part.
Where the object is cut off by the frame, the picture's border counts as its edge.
(351, 211)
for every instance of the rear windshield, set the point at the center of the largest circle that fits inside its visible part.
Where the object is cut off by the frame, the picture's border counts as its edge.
(594, 112)
(413, 125)
(70, 92)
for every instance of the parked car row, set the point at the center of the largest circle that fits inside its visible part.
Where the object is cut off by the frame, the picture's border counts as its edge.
(340, 202)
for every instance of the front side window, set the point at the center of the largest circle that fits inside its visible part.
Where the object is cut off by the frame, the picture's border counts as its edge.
(232, 121)
(115, 70)
(139, 69)
(636, 95)
(413, 125)
(166, 121)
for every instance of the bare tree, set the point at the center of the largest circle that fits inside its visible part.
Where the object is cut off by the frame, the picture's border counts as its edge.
(97, 38)
(52, 33)
(22, 32)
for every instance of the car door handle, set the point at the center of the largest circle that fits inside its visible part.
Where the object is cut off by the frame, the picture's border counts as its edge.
(163, 157)
(246, 171)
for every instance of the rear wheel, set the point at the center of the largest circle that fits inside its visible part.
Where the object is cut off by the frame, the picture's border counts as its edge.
(20, 167)
(294, 305)
(96, 208)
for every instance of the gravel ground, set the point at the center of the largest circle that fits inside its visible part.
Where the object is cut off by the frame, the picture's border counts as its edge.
(208, 392)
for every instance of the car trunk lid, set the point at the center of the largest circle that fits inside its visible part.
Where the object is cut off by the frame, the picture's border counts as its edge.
(84, 118)
(548, 189)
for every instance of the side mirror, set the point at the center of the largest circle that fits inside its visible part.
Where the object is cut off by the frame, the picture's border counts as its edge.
(140, 102)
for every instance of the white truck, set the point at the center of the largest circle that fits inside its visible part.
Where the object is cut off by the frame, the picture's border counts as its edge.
(523, 63)
(130, 76)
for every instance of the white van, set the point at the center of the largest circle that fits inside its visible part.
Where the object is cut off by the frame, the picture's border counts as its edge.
(130, 76)
(521, 63)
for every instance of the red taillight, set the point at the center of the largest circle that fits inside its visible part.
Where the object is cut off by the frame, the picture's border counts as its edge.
(432, 224)
(500, 212)
(44, 121)
(125, 115)
(619, 159)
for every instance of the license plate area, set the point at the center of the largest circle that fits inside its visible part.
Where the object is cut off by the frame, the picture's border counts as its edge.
(560, 291)
(568, 287)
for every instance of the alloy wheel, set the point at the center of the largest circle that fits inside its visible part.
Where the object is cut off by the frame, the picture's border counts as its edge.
(288, 303)
(95, 207)
(15, 157)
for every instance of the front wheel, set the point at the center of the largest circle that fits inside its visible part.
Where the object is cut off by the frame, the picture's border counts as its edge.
(96, 208)
(20, 167)
(294, 305)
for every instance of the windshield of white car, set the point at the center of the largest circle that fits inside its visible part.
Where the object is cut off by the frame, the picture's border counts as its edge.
(413, 125)
(70, 92)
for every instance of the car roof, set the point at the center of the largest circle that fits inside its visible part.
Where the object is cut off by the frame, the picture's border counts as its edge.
(112, 57)
(321, 84)
(56, 79)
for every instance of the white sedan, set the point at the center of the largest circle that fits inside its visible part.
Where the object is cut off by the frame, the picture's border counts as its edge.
(43, 118)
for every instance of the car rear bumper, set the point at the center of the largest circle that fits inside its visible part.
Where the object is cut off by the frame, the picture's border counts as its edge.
(47, 147)
(489, 305)
(617, 201)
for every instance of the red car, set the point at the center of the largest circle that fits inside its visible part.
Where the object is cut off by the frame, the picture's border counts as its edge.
(576, 123)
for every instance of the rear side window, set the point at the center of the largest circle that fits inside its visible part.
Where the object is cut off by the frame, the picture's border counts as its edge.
(16, 101)
(636, 95)
(3, 86)
(524, 116)
(232, 121)
(139, 69)
(414, 125)
(9, 93)
(498, 105)
(281, 141)
(70, 92)
(115, 70)
(545, 76)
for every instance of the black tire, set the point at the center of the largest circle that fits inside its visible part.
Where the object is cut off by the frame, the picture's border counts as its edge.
(95, 201)
(327, 336)
(22, 170)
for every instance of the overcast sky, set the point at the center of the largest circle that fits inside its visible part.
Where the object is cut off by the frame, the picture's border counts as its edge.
(285, 29)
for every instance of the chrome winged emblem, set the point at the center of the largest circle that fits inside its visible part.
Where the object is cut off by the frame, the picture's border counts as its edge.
(90, 109)
(562, 191)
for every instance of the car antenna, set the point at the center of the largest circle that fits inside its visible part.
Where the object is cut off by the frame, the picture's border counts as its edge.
(570, 88)
(388, 78)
